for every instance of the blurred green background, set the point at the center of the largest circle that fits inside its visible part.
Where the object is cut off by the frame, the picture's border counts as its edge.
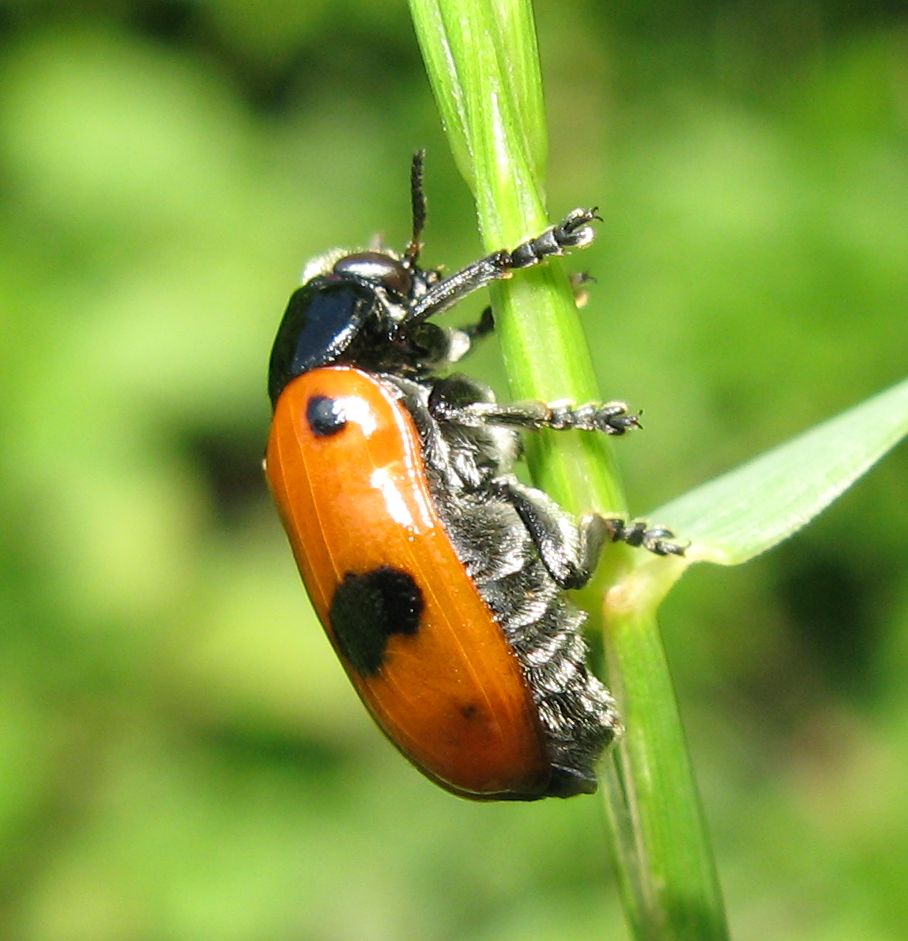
(180, 755)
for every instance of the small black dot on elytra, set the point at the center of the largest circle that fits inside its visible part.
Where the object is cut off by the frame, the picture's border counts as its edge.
(367, 609)
(325, 416)
(469, 710)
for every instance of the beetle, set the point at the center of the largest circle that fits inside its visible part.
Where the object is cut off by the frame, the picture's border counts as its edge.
(437, 575)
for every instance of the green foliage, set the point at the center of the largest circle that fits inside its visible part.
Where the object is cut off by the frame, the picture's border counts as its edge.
(481, 60)
(745, 512)
(181, 755)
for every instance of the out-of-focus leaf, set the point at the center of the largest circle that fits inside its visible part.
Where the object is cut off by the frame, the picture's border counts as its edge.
(749, 510)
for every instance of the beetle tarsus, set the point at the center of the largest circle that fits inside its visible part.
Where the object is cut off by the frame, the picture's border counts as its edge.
(611, 418)
(574, 231)
(639, 533)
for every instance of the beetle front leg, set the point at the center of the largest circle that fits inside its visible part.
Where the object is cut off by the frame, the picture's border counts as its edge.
(574, 231)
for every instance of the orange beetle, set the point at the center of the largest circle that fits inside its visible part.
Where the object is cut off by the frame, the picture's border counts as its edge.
(439, 577)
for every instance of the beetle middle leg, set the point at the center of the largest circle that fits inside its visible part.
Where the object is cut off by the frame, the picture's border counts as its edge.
(450, 401)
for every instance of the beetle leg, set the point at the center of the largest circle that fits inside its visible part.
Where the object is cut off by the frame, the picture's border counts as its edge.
(611, 418)
(568, 550)
(482, 328)
(655, 539)
(486, 323)
(574, 231)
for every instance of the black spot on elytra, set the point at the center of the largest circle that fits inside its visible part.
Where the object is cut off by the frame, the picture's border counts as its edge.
(367, 609)
(469, 710)
(325, 416)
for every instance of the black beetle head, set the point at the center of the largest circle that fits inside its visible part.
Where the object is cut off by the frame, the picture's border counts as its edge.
(344, 297)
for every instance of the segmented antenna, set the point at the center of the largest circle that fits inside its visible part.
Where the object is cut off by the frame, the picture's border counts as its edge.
(418, 204)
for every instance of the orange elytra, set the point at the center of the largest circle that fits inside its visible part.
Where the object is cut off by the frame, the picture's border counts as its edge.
(357, 506)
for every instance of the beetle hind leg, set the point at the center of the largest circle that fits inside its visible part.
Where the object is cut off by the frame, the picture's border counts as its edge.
(638, 533)
(569, 550)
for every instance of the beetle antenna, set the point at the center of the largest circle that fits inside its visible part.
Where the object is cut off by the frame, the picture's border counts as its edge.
(418, 204)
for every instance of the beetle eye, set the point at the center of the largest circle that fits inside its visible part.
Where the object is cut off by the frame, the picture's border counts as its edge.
(378, 268)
